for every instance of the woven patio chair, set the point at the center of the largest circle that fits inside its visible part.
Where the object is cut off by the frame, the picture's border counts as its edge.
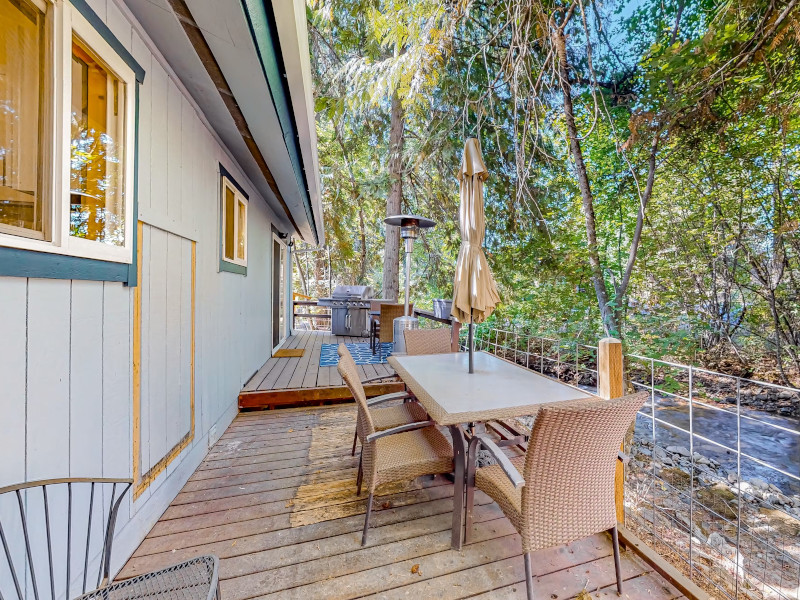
(388, 416)
(57, 534)
(428, 341)
(384, 327)
(566, 489)
(401, 453)
(374, 306)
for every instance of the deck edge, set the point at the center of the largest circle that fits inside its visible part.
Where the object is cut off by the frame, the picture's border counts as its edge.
(268, 399)
(669, 572)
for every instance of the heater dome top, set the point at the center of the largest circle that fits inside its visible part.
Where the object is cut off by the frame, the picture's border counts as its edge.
(409, 220)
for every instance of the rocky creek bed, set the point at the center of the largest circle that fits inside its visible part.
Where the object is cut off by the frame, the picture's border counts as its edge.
(758, 516)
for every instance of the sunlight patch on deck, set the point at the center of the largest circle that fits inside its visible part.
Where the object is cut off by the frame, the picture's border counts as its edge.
(319, 501)
(330, 500)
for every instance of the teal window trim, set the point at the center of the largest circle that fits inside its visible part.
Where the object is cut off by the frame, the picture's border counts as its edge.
(229, 267)
(16, 262)
(133, 267)
(101, 28)
(223, 172)
(224, 265)
(264, 31)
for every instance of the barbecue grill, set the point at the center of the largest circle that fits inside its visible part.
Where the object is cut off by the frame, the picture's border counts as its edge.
(349, 309)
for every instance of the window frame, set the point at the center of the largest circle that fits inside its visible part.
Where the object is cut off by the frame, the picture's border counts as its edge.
(65, 20)
(236, 264)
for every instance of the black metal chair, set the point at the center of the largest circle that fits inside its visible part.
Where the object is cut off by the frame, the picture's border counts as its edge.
(47, 553)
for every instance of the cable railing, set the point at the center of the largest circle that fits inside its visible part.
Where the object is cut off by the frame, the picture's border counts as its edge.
(713, 485)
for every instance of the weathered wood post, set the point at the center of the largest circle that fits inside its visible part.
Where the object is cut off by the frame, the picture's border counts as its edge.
(610, 385)
(456, 330)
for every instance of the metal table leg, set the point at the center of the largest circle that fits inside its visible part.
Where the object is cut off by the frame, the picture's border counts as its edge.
(469, 478)
(460, 460)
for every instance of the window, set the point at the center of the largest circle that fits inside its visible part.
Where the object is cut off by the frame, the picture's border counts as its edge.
(66, 134)
(22, 77)
(234, 224)
(96, 150)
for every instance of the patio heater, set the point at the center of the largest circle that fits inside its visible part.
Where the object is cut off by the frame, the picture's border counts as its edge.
(409, 231)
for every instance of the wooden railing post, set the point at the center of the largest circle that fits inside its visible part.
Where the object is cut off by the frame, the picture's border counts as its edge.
(456, 330)
(610, 379)
(610, 385)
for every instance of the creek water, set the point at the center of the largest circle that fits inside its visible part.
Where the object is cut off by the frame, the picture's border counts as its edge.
(769, 439)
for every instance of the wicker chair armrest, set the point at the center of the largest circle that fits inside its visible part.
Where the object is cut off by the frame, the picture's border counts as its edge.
(399, 429)
(621, 456)
(505, 463)
(387, 397)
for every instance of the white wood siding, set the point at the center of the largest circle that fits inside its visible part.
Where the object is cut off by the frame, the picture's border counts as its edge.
(66, 346)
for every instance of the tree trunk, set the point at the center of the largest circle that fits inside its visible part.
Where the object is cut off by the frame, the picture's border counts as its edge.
(606, 311)
(362, 232)
(362, 229)
(302, 274)
(391, 253)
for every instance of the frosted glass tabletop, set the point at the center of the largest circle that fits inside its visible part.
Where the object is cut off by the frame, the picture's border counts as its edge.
(497, 389)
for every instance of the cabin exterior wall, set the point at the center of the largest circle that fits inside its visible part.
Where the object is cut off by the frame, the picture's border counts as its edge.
(67, 347)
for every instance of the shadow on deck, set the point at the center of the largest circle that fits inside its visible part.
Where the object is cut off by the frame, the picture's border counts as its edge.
(275, 500)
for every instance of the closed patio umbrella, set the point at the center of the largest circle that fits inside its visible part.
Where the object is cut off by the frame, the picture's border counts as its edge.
(474, 290)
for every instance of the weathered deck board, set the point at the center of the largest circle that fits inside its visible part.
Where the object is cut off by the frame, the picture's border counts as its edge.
(275, 500)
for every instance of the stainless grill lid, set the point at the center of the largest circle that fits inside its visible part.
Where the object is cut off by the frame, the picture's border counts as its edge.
(352, 292)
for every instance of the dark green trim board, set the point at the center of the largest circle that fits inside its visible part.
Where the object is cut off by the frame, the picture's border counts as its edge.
(264, 31)
(228, 267)
(133, 270)
(15, 262)
(109, 37)
(224, 265)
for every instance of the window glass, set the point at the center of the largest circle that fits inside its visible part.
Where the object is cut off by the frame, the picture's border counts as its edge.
(97, 202)
(241, 229)
(230, 223)
(22, 45)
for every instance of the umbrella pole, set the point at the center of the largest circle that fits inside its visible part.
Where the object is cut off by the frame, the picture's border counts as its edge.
(471, 343)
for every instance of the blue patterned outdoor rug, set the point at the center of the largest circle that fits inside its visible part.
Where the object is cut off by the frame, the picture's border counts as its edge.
(362, 354)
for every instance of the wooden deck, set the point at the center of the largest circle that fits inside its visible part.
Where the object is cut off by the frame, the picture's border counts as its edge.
(297, 380)
(275, 500)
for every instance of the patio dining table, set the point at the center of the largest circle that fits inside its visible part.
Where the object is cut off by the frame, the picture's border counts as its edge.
(498, 389)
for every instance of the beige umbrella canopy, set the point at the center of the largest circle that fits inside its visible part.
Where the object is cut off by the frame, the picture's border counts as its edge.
(474, 290)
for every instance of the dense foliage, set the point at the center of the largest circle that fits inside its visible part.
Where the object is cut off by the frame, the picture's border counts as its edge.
(643, 159)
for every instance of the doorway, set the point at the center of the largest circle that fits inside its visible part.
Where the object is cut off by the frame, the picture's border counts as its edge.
(278, 292)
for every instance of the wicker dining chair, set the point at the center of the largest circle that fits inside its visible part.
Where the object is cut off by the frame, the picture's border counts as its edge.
(375, 306)
(384, 327)
(401, 453)
(566, 489)
(57, 534)
(385, 417)
(428, 341)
